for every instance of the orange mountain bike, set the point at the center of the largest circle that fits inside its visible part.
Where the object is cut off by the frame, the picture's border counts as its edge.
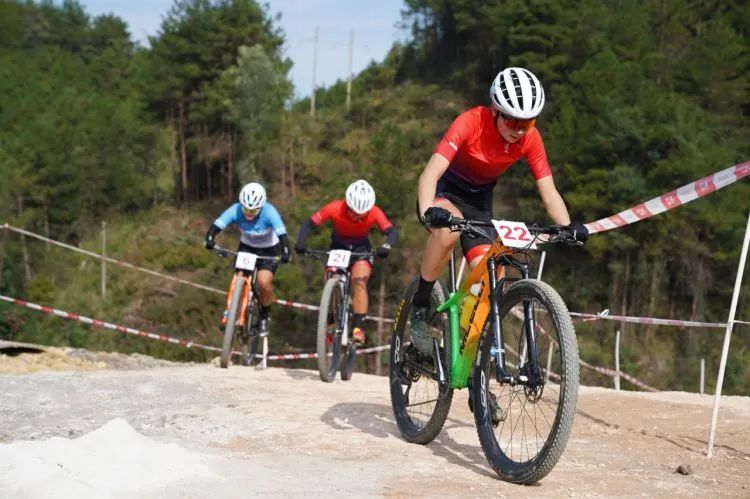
(242, 309)
(510, 341)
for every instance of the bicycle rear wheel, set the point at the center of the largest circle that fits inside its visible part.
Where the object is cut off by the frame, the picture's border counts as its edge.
(420, 404)
(234, 308)
(523, 429)
(329, 329)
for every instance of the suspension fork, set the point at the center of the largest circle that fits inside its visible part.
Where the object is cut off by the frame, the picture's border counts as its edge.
(501, 373)
(532, 359)
(344, 312)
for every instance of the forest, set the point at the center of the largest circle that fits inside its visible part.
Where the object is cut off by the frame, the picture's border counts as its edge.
(642, 97)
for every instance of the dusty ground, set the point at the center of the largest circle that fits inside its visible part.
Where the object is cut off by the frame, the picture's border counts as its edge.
(75, 359)
(197, 431)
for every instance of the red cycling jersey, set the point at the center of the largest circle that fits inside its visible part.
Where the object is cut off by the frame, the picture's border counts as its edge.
(345, 227)
(478, 154)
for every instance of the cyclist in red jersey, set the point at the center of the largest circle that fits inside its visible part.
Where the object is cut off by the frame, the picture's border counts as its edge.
(352, 219)
(479, 146)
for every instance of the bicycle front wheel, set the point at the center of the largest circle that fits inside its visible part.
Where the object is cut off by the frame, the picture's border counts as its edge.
(420, 404)
(348, 360)
(251, 335)
(524, 427)
(330, 317)
(233, 313)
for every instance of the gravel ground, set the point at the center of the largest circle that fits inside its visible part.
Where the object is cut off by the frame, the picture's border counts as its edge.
(198, 431)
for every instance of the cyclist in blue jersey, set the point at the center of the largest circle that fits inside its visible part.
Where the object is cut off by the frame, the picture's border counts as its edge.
(263, 233)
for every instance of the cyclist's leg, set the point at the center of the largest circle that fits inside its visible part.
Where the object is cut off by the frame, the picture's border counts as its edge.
(361, 271)
(439, 245)
(264, 272)
(264, 287)
(474, 248)
(437, 252)
(360, 274)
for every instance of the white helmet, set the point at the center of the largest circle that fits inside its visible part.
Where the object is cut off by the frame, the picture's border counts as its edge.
(360, 197)
(516, 92)
(253, 196)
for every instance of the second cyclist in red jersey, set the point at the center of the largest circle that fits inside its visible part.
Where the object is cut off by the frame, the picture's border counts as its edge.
(352, 218)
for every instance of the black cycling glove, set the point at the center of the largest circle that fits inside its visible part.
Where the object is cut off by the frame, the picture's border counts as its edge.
(436, 217)
(210, 236)
(383, 250)
(580, 232)
(286, 254)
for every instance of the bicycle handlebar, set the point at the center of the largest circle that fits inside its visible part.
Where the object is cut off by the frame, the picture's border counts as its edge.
(223, 253)
(557, 233)
(318, 254)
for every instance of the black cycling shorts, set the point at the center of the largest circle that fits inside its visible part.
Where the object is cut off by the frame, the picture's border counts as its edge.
(472, 205)
(263, 264)
(355, 246)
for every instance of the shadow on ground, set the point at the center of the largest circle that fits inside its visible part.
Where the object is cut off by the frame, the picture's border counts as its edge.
(377, 420)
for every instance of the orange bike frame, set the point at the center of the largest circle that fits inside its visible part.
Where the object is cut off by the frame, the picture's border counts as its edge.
(245, 297)
(464, 348)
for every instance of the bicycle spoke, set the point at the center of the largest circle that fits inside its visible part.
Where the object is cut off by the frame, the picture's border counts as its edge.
(529, 416)
(422, 403)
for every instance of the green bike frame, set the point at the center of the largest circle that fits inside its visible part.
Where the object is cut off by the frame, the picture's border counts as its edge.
(460, 362)
(464, 347)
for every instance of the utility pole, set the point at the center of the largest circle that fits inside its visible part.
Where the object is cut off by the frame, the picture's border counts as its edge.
(315, 64)
(349, 79)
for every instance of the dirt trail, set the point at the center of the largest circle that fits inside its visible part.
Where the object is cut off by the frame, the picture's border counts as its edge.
(277, 431)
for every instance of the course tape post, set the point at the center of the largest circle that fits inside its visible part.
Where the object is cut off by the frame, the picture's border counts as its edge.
(683, 195)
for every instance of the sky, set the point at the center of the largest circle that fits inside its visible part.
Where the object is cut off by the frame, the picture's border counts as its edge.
(374, 24)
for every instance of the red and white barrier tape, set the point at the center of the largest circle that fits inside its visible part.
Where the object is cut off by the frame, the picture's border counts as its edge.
(300, 356)
(106, 325)
(670, 200)
(159, 337)
(518, 313)
(121, 263)
(189, 344)
(647, 320)
(612, 373)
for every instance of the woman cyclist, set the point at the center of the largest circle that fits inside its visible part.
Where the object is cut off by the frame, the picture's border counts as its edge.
(460, 176)
(352, 219)
(263, 234)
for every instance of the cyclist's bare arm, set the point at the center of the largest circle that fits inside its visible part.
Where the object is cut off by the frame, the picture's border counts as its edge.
(552, 200)
(428, 181)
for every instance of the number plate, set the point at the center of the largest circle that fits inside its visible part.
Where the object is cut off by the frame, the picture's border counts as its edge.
(514, 234)
(245, 261)
(339, 258)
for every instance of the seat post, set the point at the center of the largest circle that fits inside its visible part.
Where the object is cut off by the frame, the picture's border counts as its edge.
(452, 273)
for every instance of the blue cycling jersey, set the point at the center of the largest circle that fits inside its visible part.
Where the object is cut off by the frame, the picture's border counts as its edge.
(261, 232)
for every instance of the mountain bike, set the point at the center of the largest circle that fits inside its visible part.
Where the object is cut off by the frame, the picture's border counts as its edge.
(336, 351)
(511, 341)
(243, 310)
